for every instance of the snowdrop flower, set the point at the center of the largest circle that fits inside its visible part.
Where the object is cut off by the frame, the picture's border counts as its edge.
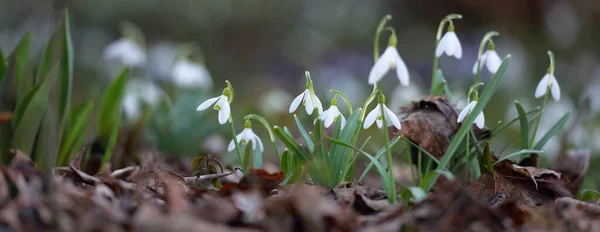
(376, 115)
(489, 59)
(449, 44)
(138, 91)
(245, 137)
(127, 51)
(221, 104)
(330, 115)
(479, 121)
(548, 81)
(389, 59)
(187, 74)
(308, 98)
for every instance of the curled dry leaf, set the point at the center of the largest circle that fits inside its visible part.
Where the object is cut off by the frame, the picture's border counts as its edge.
(430, 123)
(364, 200)
(529, 186)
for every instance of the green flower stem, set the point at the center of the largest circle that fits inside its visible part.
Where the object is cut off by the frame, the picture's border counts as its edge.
(388, 152)
(537, 123)
(344, 98)
(488, 37)
(380, 28)
(235, 141)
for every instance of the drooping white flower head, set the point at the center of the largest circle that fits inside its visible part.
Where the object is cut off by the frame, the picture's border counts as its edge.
(479, 121)
(389, 59)
(548, 81)
(127, 51)
(308, 98)
(376, 116)
(221, 105)
(331, 114)
(245, 137)
(187, 74)
(139, 91)
(450, 45)
(489, 59)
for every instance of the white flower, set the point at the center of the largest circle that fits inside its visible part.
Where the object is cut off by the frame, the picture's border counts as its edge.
(479, 121)
(246, 136)
(388, 60)
(309, 100)
(126, 51)
(548, 81)
(187, 74)
(330, 115)
(375, 116)
(221, 105)
(489, 59)
(450, 45)
(136, 92)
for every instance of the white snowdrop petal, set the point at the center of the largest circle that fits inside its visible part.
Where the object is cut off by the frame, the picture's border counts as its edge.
(493, 61)
(260, 144)
(379, 123)
(482, 63)
(480, 120)
(465, 111)
(225, 110)
(555, 89)
(542, 87)
(392, 118)
(402, 72)
(442, 46)
(382, 66)
(296, 102)
(371, 117)
(231, 146)
(207, 103)
(308, 103)
(456, 47)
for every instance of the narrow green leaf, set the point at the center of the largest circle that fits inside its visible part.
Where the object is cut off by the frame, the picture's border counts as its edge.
(540, 144)
(385, 178)
(377, 156)
(248, 153)
(290, 143)
(111, 143)
(13, 72)
(67, 70)
(340, 155)
(110, 107)
(523, 123)
(422, 150)
(485, 97)
(309, 143)
(46, 147)
(519, 153)
(76, 130)
(30, 122)
(502, 127)
(18, 113)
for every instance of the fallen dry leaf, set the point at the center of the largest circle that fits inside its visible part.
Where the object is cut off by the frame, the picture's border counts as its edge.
(430, 123)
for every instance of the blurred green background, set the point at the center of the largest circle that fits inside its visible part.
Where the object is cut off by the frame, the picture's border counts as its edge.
(263, 48)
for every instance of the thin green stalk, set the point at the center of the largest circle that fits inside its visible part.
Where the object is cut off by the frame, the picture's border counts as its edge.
(235, 141)
(537, 123)
(389, 155)
(487, 37)
(380, 28)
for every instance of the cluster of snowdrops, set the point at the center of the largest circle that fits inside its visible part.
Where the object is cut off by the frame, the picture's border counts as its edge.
(329, 159)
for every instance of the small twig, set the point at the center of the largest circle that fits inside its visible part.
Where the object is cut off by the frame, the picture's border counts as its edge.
(205, 177)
